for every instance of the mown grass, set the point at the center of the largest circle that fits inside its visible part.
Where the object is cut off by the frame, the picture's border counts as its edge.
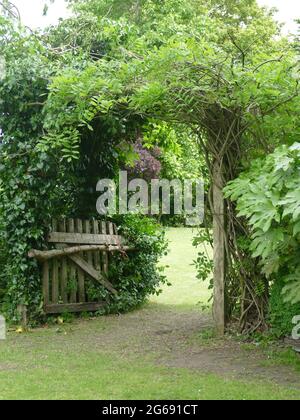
(46, 365)
(282, 357)
(187, 291)
(73, 362)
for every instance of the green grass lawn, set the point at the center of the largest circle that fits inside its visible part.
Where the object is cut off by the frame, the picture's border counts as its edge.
(126, 357)
(186, 291)
(49, 374)
(46, 365)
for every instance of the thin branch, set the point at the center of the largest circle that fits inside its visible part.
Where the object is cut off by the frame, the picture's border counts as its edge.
(11, 9)
(274, 60)
(270, 110)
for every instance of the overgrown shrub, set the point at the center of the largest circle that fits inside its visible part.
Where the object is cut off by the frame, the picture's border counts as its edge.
(203, 263)
(281, 313)
(268, 196)
(146, 166)
(135, 274)
(138, 275)
(24, 203)
(42, 175)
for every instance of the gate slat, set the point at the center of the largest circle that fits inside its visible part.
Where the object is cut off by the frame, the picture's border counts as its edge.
(97, 259)
(104, 254)
(81, 276)
(54, 225)
(115, 230)
(111, 232)
(55, 280)
(46, 282)
(73, 269)
(87, 225)
(64, 268)
(54, 277)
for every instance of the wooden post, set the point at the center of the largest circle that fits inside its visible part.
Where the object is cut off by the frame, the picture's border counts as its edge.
(22, 310)
(219, 249)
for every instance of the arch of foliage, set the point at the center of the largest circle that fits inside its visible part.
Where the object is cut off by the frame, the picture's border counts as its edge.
(217, 68)
(221, 70)
(228, 77)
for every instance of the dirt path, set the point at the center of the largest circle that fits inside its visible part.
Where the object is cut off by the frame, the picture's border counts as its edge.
(173, 338)
(170, 332)
(166, 337)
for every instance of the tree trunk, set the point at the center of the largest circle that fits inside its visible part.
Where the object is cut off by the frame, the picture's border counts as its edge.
(219, 248)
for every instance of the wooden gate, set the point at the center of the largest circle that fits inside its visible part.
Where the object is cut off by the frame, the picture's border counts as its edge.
(80, 254)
